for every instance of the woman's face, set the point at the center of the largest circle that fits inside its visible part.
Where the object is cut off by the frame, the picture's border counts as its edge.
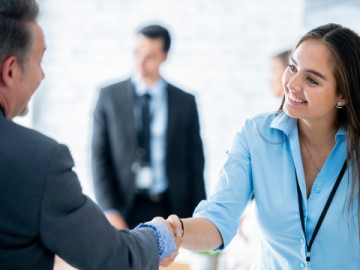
(310, 85)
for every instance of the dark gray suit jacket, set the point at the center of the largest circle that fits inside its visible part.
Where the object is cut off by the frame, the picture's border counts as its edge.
(44, 212)
(114, 150)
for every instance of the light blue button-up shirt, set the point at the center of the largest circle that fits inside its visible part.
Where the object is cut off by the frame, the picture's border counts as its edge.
(158, 127)
(262, 162)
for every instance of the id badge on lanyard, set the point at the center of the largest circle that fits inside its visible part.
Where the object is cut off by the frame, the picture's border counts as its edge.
(143, 176)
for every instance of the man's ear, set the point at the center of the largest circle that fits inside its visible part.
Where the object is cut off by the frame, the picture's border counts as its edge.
(8, 71)
(165, 56)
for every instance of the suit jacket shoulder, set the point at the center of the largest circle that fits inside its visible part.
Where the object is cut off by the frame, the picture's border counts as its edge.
(43, 211)
(178, 92)
(117, 88)
(30, 148)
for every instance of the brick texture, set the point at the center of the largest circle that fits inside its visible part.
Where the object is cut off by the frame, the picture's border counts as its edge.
(221, 53)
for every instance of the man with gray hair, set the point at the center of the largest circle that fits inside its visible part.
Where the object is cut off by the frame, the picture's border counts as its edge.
(43, 211)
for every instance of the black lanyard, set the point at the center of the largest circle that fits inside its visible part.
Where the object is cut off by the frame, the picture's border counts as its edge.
(324, 211)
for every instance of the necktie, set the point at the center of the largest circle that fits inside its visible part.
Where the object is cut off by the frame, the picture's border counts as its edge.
(145, 130)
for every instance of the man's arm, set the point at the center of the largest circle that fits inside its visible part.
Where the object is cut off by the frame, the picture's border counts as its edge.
(74, 227)
(199, 234)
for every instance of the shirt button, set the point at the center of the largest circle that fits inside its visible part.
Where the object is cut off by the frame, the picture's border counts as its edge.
(302, 240)
(316, 188)
(302, 265)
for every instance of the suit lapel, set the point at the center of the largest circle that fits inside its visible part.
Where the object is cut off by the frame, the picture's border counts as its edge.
(128, 111)
(171, 124)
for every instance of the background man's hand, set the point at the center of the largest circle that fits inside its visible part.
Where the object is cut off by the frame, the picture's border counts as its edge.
(116, 220)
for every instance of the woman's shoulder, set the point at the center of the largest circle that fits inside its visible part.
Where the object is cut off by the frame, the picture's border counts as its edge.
(268, 126)
(263, 119)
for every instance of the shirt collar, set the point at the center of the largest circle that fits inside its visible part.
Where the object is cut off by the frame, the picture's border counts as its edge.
(156, 89)
(284, 123)
(288, 125)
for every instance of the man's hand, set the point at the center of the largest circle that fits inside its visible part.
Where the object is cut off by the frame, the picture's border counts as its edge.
(165, 262)
(177, 234)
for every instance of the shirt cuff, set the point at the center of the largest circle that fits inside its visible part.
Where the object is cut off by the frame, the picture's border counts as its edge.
(164, 238)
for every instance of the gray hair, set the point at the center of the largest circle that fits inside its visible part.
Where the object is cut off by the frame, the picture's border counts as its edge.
(15, 36)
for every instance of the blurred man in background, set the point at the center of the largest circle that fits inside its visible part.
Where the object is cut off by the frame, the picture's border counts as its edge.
(147, 154)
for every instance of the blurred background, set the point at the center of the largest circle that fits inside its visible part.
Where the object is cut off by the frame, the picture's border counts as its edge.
(221, 52)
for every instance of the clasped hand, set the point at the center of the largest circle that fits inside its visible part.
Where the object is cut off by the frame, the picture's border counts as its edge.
(174, 226)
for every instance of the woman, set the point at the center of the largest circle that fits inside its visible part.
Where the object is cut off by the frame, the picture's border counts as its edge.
(292, 161)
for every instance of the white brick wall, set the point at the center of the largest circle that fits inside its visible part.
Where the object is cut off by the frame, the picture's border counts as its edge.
(221, 52)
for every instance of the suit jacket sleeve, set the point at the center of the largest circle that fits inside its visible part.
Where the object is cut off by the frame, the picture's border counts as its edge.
(105, 183)
(74, 227)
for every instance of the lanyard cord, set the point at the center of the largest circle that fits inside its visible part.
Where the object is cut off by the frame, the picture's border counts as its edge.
(324, 211)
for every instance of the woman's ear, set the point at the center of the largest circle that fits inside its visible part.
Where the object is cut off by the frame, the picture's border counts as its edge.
(341, 102)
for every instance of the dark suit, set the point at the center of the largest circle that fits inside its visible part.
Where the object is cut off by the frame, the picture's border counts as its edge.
(44, 212)
(114, 150)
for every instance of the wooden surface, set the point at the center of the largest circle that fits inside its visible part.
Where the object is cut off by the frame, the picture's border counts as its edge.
(176, 266)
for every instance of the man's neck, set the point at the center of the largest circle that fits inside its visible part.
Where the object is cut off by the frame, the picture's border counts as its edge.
(150, 80)
(2, 111)
(3, 105)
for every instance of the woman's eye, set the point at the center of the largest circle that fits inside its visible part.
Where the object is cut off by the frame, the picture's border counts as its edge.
(312, 81)
(292, 68)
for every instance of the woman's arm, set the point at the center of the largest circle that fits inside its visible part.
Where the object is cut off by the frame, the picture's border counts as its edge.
(199, 234)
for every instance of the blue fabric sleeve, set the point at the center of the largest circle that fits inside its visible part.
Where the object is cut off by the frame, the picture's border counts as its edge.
(163, 236)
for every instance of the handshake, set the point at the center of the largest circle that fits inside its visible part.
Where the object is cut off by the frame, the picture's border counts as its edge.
(176, 227)
(201, 234)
